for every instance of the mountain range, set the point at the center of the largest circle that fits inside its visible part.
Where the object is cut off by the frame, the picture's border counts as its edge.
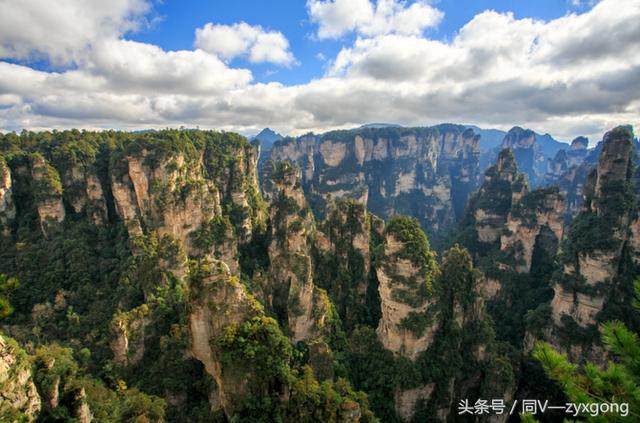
(365, 275)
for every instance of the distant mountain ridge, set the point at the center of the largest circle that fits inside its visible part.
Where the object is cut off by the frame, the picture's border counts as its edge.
(267, 138)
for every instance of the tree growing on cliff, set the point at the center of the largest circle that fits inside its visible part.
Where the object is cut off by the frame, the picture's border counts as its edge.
(7, 284)
(618, 383)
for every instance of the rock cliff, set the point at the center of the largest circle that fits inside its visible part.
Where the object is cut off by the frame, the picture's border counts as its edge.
(406, 273)
(218, 301)
(291, 293)
(596, 269)
(7, 208)
(424, 172)
(19, 398)
(342, 259)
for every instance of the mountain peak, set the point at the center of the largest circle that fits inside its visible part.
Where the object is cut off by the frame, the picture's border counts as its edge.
(267, 137)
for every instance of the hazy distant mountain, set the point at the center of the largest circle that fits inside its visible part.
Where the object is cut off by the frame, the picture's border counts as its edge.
(489, 138)
(267, 137)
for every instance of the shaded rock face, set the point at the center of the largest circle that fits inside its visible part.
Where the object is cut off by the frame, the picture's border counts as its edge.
(507, 225)
(128, 336)
(7, 208)
(598, 241)
(536, 215)
(406, 401)
(48, 194)
(291, 293)
(489, 209)
(427, 173)
(406, 275)
(522, 142)
(342, 259)
(569, 170)
(217, 301)
(580, 144)
(19, 397)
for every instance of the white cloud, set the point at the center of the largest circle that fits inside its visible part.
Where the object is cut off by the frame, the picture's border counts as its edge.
(62, 30)
(231, 41)
(132, 66)
(497, 71)
(337, 17)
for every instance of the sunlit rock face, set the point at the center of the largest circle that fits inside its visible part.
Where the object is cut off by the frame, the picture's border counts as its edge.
(427, 173)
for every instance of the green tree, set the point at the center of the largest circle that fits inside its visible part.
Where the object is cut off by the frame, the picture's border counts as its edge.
(618, 383)
(7, 284)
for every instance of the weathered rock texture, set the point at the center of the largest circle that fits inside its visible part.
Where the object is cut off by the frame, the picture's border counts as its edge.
(506, 224)
(7, 208)
(538, 214)
(424, 172)
(47, 192)
(128, 330)
(406, 275)
(219, 300)
(601, 239)
(291, 293)
(342, 259)
(19, 397)
(530, 161)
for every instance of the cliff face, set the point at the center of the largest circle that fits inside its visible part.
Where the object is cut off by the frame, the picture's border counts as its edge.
(595, 270)
(343, 261)
(424, 172)
(291, 292)
(19, 397)
(47, 193)
(406, 273)
(489, 208)
(569, 170)
(7, 208)
(505, 217)
(522, 143)
(218, 301)
(535, 219)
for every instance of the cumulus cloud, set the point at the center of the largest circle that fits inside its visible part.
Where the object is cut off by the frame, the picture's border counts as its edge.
(242, 39)
(61, 30)
(337, 17)
(497, 71)
(132, 66)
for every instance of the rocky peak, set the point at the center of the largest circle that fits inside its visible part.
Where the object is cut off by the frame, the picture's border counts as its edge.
(218, 301)
(518, 138)
(47, 193)
(291, 294)
(580, 143)
(506, 168)
(489, 208)
(596, 276)
(535, 220)
(613, 171)
(406, 275)
(343, 259)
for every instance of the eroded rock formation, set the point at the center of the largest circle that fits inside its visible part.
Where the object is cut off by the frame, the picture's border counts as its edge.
(595, 275)
(19, 398)
(406, 274)
(424, 172)
(7, 208)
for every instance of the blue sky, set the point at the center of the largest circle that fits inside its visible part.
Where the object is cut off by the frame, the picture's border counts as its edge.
(175, 21)
(564, 67)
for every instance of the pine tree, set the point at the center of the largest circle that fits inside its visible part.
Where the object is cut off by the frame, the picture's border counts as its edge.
(618, 383)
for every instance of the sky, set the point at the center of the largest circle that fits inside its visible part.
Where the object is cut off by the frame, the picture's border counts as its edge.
(564, 67)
